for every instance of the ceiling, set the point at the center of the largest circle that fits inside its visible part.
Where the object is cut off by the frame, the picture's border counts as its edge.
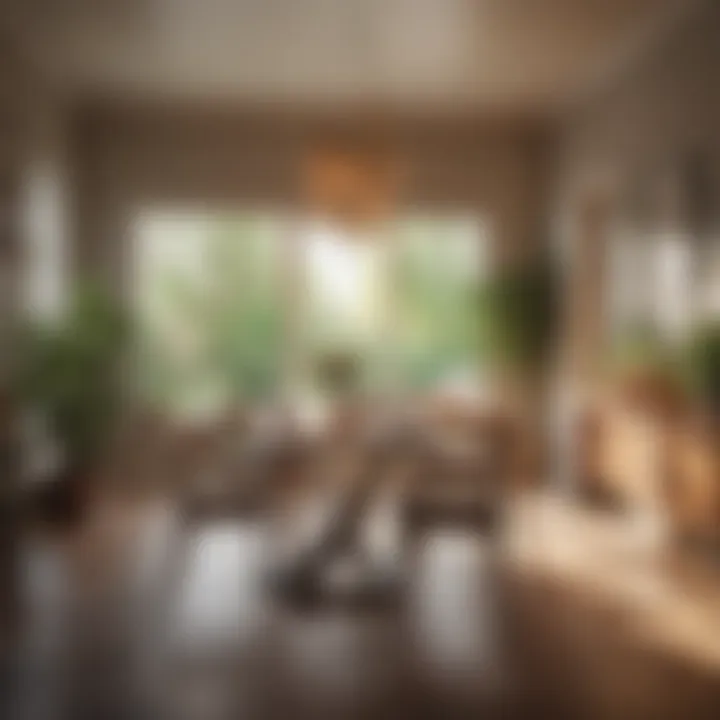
(524, 55)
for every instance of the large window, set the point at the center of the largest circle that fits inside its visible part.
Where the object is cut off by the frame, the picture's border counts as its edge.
(651, 283)
(215, 312)
(437, 266)
(403, 298)
(345, 278)
(209, 308)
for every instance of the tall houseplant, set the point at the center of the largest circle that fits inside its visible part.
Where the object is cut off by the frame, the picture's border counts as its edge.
(518, 318)
(69, 376)
(518, 315)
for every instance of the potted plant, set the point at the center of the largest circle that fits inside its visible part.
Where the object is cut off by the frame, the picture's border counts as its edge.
(519, 313)
(702, 367)
(518, 321)
(338, 372)
(69, 376)
(338, 377)
(695, 498)
(645, 370)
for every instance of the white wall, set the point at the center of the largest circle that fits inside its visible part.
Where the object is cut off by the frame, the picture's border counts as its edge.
(629, 147)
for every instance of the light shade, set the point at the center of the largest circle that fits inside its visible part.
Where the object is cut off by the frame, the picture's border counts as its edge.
(349, 185)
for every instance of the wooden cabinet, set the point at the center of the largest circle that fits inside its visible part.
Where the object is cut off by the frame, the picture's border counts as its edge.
(649, 462)
(694, 488)
(632, 457)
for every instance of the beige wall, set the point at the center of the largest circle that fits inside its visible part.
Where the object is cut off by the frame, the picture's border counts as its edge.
(643, 125)
(134, 157)
(623, 150)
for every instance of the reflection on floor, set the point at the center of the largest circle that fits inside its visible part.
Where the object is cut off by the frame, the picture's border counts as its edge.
(149, 616)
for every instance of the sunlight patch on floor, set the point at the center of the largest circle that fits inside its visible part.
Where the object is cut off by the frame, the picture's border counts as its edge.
(624, 562)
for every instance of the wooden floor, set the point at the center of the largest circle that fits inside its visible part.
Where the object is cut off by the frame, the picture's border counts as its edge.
(146, 614)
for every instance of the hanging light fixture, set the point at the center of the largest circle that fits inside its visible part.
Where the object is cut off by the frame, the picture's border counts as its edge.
(351, 184)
